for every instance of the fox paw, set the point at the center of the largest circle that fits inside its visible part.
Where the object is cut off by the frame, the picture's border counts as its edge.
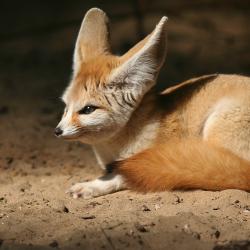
(85, 190)
(101, 186)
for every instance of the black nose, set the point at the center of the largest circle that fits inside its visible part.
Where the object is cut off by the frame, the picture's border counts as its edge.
(58, 131)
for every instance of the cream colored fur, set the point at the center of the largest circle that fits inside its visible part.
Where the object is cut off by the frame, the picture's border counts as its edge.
(132, 118)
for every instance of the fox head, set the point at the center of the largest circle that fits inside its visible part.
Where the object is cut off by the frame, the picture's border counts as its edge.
(106, 89)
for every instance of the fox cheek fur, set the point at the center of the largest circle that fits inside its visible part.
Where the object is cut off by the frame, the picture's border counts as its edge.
(96, 127)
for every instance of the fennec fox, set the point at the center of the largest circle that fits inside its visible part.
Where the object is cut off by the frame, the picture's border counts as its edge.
(193, 135)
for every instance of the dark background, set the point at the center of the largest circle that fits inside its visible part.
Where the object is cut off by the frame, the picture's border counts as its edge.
(37, 39)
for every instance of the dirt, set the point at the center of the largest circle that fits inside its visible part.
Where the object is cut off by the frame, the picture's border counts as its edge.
(35, 213)
(36, 168)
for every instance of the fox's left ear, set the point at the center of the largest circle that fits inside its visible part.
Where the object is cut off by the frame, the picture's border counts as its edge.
(140, 65)
(93, 37)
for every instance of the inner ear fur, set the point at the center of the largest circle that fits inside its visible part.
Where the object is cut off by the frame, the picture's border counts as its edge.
(140, 65)
(93, 38)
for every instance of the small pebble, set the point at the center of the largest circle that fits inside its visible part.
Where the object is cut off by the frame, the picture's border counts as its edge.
(53, 244)
(65, 209)
(4, 110)
(145, 208)
(9, 160)
(216, 208)
(157, 206)
(141, 228)
(88, 217)
(177, 200)
(217, 234)
(247, 208)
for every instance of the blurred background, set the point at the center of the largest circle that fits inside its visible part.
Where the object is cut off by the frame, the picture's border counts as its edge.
(37, 39)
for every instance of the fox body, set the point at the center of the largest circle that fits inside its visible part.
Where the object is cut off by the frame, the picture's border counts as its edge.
(193, 135)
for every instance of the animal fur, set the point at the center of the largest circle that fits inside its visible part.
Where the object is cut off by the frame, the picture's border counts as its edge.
(193, 135)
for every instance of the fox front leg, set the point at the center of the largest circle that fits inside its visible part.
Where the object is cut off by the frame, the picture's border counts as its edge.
(106, 184)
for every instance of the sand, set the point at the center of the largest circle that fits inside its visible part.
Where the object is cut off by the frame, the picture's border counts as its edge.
(35, 213)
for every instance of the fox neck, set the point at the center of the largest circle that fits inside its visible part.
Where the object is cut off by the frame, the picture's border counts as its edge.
(139, 133)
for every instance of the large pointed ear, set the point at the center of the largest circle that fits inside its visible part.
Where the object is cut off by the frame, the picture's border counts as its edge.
(140, 66)
(93, 37)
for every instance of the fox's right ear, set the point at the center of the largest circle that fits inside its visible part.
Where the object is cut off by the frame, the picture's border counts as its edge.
(93, 37)
(140, 65)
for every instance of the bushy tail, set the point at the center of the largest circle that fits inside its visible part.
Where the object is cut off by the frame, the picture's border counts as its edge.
(189, 164)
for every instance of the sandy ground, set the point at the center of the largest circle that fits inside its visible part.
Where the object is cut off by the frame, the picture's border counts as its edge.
(35, 212)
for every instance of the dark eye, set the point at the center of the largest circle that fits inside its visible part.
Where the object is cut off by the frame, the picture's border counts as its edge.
(87, 110)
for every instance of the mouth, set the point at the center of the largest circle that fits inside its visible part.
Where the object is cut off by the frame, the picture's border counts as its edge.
(69, 137)
(74, 135)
